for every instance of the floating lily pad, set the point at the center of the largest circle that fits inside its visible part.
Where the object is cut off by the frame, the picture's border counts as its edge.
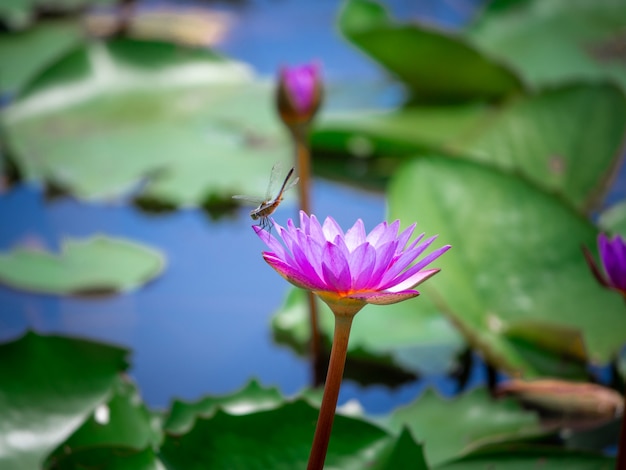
(515, 257)
(50, 386)
(526, 457)
(251, 398)
(477, 420)
(122, 422)
(613, 220)
(19, 14)
(538, 136)
(95, 265)
(233, 441)
(111, 458)
(557, 41)
(189, 125)
(434, 64)
(410, 335)
(25, 54)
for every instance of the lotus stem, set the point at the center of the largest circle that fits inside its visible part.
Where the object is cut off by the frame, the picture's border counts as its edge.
(331, 392)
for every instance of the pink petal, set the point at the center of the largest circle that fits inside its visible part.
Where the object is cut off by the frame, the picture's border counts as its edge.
(403, 238)
(432, 256)
(412, 280)
(331, 229)
(335, 268)
(386, 298)
(272, 242)
(303, 262)
(384, 255)
(362, 262)
(315, 230)
(355, 236)
(295, 276)
(376, 233)
(402, 262)
(390, 234)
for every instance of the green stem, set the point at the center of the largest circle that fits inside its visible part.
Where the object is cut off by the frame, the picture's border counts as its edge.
(331, 392)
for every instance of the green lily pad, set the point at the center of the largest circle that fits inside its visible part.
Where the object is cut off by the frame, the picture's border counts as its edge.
(435, 65)
(410, 335)
(538, 136)
(515, 257)
(19, 14)
(123, 422)
(95, 265)
(613, 220)
(26, 53)
(253, 397)
(558, 41)
(233, 441)
(189, 125)
(477, 420)
(525, 457)
(111, 458)
(50, 385)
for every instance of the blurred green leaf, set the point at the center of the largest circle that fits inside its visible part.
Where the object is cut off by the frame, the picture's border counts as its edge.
(95, 265)
(193, 126)
(411, 335)
(469, 421)
(515, 257)
(525, 457)
(123, 422)
(253, 397)
(20, 14)
(280, 438)
(435, 65)
(613, 219)
(109, 458)
(49, 386)
(538, 136)
(558, 41)
(25, 54)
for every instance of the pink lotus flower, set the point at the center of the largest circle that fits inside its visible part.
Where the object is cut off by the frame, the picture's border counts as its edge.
(299, 93)
(353, 267)
(613, 258)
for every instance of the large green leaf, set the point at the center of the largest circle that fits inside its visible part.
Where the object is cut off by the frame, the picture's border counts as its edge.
(557, 41)
(98, 264)
(109, 116)
(19, 14)
(49, 386)
(538, 136)
(251, 398)
(613, 220)
(109, 458)
(411, 335)
(123, 422)
(515, 259)
(524, 457)
(435, 65)
(25, 54)
(280, 438)
(466, 422)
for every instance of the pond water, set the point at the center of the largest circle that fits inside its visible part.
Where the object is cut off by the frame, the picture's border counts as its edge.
(203, 326)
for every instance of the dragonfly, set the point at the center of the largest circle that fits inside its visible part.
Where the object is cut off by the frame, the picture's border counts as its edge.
(267, 206)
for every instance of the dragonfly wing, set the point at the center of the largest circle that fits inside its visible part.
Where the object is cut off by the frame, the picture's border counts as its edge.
(255, 201)
(273, 178)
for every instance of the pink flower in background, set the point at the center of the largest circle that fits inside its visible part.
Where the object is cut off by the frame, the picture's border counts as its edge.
(299, 93)
(352, 267)
(613, 258)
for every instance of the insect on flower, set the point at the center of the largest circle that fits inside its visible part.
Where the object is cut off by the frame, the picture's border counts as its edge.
(267, 206)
